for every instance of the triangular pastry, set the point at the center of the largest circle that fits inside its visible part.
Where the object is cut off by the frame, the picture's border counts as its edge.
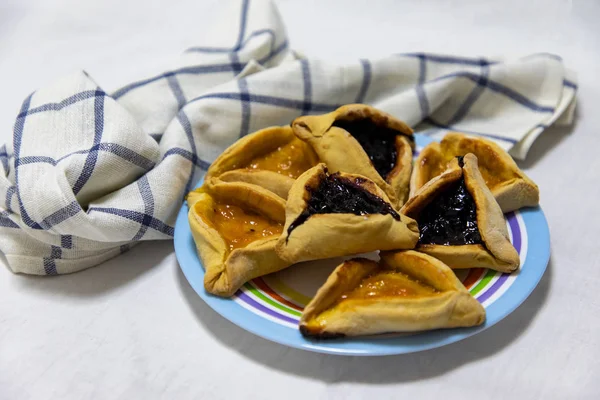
(333, 215)
(271, 158)
(406, 291)
(360, 139)
(459, 220)
(235, 227)
(509, 185)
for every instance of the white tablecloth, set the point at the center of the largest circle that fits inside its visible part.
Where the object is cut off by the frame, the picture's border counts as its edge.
(133, 327)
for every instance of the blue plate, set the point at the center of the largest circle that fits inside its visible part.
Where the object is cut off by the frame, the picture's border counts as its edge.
(271, 306)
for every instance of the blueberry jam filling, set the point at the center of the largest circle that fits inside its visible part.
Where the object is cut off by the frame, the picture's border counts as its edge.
(378, 142)
(339, 195)
(450, 219)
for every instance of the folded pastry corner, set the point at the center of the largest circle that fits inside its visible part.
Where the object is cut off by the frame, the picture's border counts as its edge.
(360, 139)
(271, 158)
(406, 291)
(235, 227)
(509, 185)
(333, 215)
(460, 222)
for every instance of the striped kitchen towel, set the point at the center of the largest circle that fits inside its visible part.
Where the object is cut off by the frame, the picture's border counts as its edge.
(90, 172)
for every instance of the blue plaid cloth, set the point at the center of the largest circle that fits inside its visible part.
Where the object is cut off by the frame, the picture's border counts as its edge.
(91, 172)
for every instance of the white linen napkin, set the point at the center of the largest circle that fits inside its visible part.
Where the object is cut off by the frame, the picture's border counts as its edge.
(91, 173)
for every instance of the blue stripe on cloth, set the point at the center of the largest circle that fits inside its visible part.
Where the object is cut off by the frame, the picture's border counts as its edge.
(237, 65)
(17, 139)
(4, 159)
(570, 84)
(430, 121)
(270, 100)
(476, 92)
(50, 263)
(366, 81)
(50, 266)
(61, 215)
(92, 157)
(449, 59)
(243, 87)
(306, 80)
(178, 151)
(5, 221)
(66, 242)
(138, 217)
(187, 127)
(201, 69)
(113, 148)
(177, 91)
(76, 98)
(245, 100)
(56, 252)
(499, 88)
(148, 198)
(243, 22)
(8, 199)
(34, 160)
(421, 95)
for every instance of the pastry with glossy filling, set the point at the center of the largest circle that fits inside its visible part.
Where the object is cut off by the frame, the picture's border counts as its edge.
(459, 220)
(235, 227)
(406, 291)
(509, 185)
(339, 214)
(360, 139)
(271, 158)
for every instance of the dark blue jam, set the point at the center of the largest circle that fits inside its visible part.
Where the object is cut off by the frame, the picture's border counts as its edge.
(451, 218)
(338, 195)
(378, 142)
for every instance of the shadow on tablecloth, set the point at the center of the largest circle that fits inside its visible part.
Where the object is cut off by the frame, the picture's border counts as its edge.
(104, 278)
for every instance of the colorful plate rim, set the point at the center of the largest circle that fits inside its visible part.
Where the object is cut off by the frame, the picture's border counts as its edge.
(531, 272)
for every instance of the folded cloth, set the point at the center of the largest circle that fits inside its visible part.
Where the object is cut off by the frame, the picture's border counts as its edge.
(91, 173)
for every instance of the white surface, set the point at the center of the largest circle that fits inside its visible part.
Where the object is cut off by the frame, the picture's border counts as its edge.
(133, 328)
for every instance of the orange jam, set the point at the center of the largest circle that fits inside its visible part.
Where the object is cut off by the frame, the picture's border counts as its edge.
(240, 227)
(289, 159)
(388, 284)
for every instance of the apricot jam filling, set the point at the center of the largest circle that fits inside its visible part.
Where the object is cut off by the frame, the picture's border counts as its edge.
(388, 284)
(240, 227)
(289, 160)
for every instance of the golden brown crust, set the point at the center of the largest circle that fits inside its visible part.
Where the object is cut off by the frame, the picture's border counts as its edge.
(465, 256)
(490, 219)
(333, 235)
(227, 271)
(341, 152)
(231, 165)
(509, 185)
(450, 306)
(496, 252)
